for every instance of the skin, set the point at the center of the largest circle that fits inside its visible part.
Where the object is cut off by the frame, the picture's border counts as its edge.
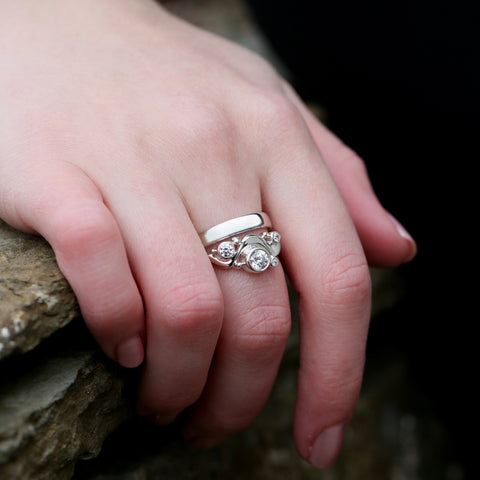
(123, 132)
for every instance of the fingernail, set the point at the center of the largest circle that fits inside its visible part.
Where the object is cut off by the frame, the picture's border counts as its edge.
(326, 447)
(402, 231)
(130, 352)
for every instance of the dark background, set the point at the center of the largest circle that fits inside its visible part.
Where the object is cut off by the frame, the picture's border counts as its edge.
(400, 85)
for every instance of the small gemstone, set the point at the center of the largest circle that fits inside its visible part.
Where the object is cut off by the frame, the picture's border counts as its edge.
(274, 262)
(259, 260)
(276, 237)
(226, 249)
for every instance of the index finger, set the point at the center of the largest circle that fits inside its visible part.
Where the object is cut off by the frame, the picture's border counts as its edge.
(325, 261)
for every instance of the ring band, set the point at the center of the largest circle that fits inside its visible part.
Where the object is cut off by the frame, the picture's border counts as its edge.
(235, 226)
(252, 253)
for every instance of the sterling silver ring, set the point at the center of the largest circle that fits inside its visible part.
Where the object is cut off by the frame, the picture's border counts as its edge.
(252, 253)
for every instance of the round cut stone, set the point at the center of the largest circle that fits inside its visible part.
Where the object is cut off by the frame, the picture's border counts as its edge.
(226, 249)
(259, 260)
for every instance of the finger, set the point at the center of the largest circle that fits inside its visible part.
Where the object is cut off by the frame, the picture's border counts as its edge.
(256, 315)
(324, 258)
(183, 301)
(249, 351)
(66, 207)
(384, 239)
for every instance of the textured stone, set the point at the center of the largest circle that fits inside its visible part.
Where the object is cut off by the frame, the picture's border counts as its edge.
(55, 409)
(35, 299)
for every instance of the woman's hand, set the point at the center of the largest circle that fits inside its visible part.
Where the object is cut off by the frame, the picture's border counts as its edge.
(123, 133)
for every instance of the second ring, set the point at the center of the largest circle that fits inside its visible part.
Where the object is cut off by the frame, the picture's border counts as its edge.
(251, 252)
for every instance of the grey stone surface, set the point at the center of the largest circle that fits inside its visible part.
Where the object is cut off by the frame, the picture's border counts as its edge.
(55, 409)
(35, 299)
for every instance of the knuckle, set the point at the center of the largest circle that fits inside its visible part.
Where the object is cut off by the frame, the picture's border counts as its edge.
(273, 109)
(191, 307)
(264, 330)
(342, 377)
(203, 124)
(340, 391)
(83, 230)
(351, 160)
(347, 280)
(276, 123)
(114, 316)
(345, 388)
(335, 387)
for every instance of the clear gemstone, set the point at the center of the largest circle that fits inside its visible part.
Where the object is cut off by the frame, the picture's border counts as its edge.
(259, 260)
(274, 261)
(226, 249)
(276, 237)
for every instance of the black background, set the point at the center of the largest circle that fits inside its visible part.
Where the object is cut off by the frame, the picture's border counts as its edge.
(400, 83)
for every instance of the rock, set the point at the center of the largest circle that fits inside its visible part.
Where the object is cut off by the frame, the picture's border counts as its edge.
(59, 396)
(35, 298)
(57, 408)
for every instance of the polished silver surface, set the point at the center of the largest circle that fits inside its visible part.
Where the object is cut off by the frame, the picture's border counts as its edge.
(253, 253)
(235, 226)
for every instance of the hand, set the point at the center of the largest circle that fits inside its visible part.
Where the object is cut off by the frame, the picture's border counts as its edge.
(125, 131)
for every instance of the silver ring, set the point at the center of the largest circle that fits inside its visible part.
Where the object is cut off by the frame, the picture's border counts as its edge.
(235, 226)
(252, 253)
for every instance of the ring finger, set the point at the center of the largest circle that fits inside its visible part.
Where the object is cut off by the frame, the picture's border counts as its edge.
(250, 347)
